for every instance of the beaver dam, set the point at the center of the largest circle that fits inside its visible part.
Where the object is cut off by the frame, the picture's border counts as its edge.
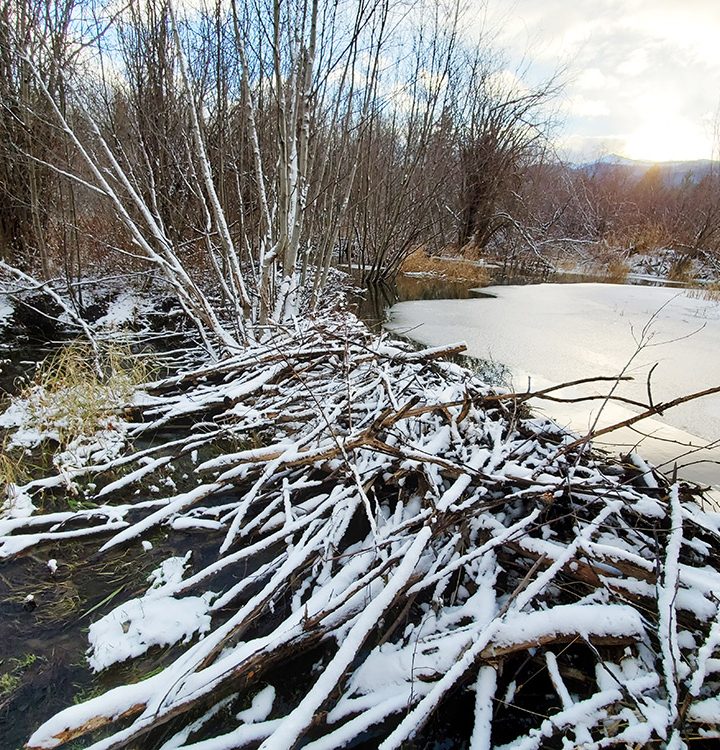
(331, 540)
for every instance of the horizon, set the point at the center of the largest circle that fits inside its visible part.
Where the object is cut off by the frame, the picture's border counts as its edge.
(649, 162)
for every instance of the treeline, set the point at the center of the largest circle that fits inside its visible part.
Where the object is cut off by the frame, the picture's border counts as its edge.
(260, 143)
(641, 210)
(355, 128)
(607, 212)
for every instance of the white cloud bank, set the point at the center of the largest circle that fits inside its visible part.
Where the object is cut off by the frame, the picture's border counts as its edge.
(644, 75)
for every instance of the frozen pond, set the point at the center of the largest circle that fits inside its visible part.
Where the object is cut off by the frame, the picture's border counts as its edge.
(553, 333)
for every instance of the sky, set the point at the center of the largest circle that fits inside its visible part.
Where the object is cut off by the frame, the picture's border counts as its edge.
(642, 76)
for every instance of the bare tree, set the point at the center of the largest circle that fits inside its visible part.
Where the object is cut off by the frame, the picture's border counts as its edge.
(262, 140)
(503, 132)
(37, 29)
(407, 146)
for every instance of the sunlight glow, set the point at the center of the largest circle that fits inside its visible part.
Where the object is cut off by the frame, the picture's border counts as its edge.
(662, 138)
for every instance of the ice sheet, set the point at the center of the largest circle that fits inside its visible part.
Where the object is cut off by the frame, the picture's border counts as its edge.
(552, 333)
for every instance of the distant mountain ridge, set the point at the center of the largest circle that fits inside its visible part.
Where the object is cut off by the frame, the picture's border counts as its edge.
(673, 172)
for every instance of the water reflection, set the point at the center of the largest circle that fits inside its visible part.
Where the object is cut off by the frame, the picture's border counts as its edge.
(374, 305)
(378, 298)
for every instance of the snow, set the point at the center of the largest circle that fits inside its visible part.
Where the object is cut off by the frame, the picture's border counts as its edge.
(646, 470)
(126, 308)
(20, 417)
(601, 620)
(18, 504)
(141, 623)
(187, 524)
(557, 680)
(6, 311)
(484, 694)
(553, 333)
(149, 466)
(111, 704)
(706, 711)
(291, 728)
(155, 619)
(105, 444)
(169, 573)
(171, 506)
(704, 663)
(179, 739)
(38, 417)
(447, 543)
(390, 703)
(666, 596)
(260, 708)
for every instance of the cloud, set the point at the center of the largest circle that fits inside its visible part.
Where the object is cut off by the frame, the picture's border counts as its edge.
(591, 79)
(631, 65)
(636, 63)
(582, 106)
(579, 147)
(506, 81)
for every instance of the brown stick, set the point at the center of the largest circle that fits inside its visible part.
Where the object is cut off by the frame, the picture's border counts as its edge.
(236, 679)
(492, 653)
(658, 409)
(521, 398)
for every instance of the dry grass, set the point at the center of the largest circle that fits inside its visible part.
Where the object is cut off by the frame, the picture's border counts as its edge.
(69, 396)
(709, 292)
(12, 467)
(449, 268)
(643, 239)
(681, 270)
(617, 271)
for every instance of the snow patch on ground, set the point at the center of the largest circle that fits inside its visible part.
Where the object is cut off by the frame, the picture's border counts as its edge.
(18, 504)
(19, 418)
(6, 311)
(104, 445)
(141, 623)
(169, 573)
(36, 418)
(127, 308)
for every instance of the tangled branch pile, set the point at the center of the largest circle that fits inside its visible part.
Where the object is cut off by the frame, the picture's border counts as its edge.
(389, 539)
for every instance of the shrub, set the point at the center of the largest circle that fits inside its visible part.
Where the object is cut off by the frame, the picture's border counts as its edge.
(709, 292)
(617, 271)
(681, 270)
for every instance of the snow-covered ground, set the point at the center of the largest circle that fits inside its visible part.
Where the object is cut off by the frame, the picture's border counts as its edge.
(553, 333)
(126, 308)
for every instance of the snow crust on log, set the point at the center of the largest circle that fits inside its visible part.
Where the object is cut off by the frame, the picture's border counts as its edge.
(6, 311)
(141, 623)
(155, 619)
